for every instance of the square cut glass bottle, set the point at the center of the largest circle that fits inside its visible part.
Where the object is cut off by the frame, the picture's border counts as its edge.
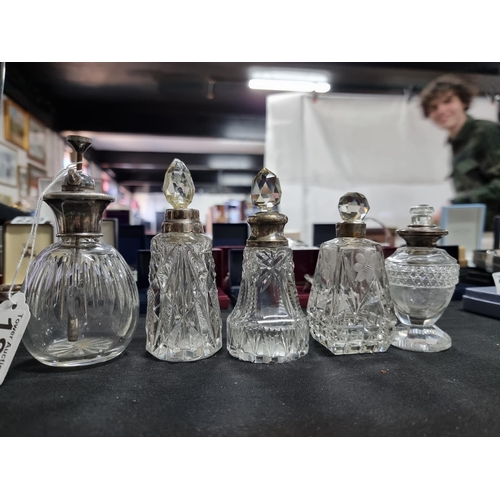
(350, 309)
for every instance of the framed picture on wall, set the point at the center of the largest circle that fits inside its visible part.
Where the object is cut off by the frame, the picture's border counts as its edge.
(8, 166)
(15, 237)
(37, 140)
(16, 125)
(22, 182)
(34, 173)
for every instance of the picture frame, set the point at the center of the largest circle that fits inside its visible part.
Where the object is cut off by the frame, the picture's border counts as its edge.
(8, 166)
(22, 182)
(465, 226)
(14, 238)
(37, 140)
(16, 124)
(34, 173)
(109, 230)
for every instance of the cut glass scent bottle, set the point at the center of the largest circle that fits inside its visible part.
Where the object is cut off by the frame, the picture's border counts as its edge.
(81, 293)
(183, 321)
(422, 280)
(350, 309)
(267, 324)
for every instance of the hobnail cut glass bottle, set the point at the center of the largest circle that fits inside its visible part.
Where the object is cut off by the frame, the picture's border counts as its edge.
(267, 324)
(350, 309)
(422, 280)
(82, 297)
(183, 320)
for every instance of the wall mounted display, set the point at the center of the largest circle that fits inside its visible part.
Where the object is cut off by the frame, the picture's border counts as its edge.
(8, 166)
(37, 140)
(34, 173)
(16, 125)
(22, 182)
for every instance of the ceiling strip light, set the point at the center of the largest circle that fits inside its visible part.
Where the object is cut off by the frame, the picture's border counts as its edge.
(289, 85)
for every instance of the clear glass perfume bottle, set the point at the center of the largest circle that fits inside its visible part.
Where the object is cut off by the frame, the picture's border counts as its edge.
(183, 320)
(82, 296)
(350, 309)
(267, 324)
(422, 280)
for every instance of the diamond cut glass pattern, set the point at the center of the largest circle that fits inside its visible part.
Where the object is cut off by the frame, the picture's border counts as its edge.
(266, 190)
(178, 186)
(267, 324)
(422, 281)
(353, 207)
(183, 317)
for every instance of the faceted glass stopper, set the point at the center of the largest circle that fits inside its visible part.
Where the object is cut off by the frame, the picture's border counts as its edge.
(178, 186)
(421, 215)
(353, 207)
(266, 190)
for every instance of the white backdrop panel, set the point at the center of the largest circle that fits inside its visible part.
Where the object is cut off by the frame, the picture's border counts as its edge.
(381, 146)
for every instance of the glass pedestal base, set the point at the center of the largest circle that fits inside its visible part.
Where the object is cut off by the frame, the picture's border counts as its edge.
(421, 338)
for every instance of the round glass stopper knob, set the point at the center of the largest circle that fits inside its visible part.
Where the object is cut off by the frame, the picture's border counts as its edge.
(178, 186)
(421, 215)
(266, 190)
(353, 207)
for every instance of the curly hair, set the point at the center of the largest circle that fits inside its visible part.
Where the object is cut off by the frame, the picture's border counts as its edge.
(439, 86)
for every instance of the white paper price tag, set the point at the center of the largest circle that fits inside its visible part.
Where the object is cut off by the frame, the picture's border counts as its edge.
(14, 318)
(496, 279)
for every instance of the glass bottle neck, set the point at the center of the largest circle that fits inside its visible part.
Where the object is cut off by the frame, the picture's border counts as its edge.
(68, 240)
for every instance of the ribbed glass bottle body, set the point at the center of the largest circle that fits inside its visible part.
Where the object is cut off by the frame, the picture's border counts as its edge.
(83, 301)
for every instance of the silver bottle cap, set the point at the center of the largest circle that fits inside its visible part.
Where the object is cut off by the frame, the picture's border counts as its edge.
(77, 207)
(422, 232)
